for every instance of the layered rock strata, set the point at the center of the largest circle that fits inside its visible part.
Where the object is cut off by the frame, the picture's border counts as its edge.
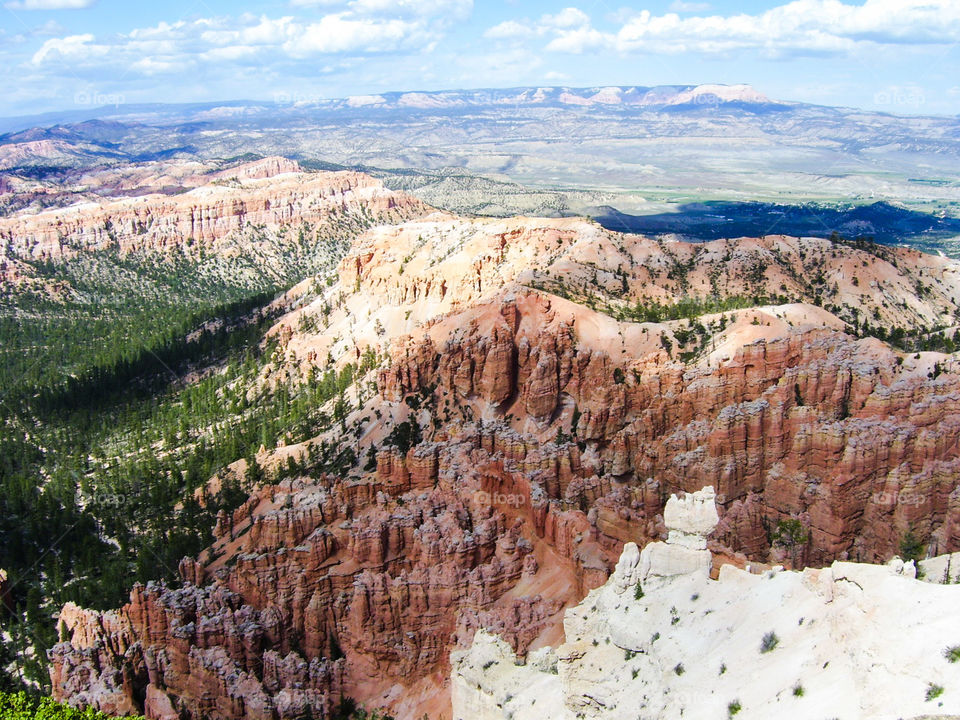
(549, 438)
(263, 196)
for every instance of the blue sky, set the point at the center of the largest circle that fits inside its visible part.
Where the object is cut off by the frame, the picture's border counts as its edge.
(893, 55)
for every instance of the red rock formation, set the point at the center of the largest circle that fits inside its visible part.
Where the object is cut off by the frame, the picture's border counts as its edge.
(324, 569)
(269, 194)
(552, 435)
(815, 424)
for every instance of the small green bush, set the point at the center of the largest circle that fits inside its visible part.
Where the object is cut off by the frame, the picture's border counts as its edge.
(638, 591)
(21, 706)
(798, 690)
(934, 691)
(769, 642)
(733, 708)
(952, 654)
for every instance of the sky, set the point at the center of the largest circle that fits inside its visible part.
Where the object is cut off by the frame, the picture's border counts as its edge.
(899, 56)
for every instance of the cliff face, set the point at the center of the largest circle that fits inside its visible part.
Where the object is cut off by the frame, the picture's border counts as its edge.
(661, 639)
(817, 426)
(265, 195)
(489, 524)
(316, 589)
(550, 436)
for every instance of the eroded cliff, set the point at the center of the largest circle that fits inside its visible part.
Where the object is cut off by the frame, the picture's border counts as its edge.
(517, 440)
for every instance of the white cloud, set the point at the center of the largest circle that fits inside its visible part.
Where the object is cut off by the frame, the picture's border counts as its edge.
(679, 6)
(251, 40)
(569, 30)
(451, 9)
(510, 30)
(341, 34)
(578, 40)
(49, 4)
(318, 3)
(71, 48)
(818, 26)
(566, 19)
(155, 66)
(815, 27)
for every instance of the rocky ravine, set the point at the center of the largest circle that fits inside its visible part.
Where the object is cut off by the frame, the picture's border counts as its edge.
(550, 435)
(662, 640)
(209, 211)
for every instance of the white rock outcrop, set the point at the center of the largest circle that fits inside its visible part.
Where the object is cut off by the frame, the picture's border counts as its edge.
(689, 520)
(850, 641)
(943, 569)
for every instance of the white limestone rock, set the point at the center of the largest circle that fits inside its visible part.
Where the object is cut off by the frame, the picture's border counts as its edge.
(489, 684)
(943, 569)
(626, 574)
(853, 641)
(691, 519)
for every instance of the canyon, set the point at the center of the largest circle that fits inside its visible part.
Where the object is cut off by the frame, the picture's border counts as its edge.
(533, 403)
(254, 220)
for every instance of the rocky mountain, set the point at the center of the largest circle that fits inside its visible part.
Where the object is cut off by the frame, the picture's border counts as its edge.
(265, 194)
(653, 152)
(25, 129)
(635, 96)
(666, 637)
(524, 397)
(266, 219)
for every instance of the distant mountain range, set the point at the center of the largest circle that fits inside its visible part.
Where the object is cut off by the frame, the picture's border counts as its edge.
(608, 96)
(627, 96)
(647, 152)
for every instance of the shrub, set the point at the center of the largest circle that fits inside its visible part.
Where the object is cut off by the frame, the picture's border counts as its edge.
(798, 690)
(733, 708)
(769, 642)
(934, 691)
(912, 547)
(21, 706)
(638, 591)
(952, 654)
(679, 669)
